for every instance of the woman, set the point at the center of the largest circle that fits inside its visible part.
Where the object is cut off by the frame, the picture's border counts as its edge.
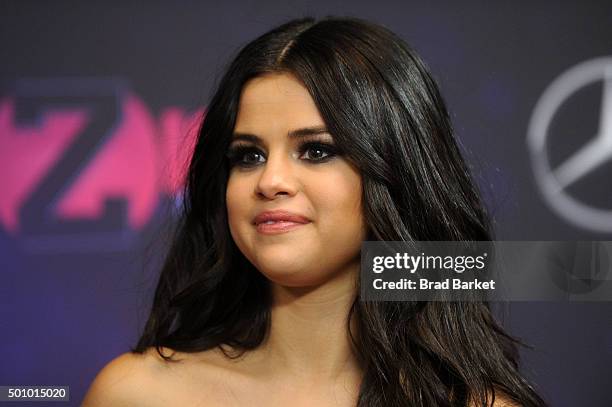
(321, 135)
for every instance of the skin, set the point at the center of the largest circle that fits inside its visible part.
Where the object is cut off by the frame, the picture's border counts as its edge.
(307, 357)
(326, 192)
(313, 268)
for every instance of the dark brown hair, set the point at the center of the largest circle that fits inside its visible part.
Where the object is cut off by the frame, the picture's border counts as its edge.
(386, 114)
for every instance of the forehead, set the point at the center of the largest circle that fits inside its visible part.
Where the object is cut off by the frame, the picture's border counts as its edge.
(275, 102)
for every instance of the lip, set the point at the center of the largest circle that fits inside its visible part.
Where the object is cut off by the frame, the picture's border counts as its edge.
(285, 221)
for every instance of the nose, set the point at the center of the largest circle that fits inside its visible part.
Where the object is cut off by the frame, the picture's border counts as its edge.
(277, 178)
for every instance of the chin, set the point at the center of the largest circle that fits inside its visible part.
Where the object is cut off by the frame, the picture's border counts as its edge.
(288, 274)
(290, 280)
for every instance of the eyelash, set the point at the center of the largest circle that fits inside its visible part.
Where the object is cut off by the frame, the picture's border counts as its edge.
(237, 153)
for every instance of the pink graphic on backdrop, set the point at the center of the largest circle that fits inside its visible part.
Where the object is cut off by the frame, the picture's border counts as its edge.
(140, 160)
(27, 152)
(178, 135)
(125, 167)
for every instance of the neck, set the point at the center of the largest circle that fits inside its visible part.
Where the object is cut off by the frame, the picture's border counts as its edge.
(309, 334)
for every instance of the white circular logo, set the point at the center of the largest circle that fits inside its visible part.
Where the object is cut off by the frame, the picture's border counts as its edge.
(553, 182)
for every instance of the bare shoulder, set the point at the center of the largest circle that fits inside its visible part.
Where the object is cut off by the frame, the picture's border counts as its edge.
(130, 379)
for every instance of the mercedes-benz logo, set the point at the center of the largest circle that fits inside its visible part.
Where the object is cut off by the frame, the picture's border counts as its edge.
(553, 182)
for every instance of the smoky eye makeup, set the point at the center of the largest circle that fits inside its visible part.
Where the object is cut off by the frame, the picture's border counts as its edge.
(244, 154)
(315, 150)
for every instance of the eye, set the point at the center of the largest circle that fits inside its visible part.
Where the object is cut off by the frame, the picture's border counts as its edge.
(244, 156)
(248, 156)
(317, 151)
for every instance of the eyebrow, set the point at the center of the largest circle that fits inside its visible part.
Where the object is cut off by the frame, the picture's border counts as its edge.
(293, 134)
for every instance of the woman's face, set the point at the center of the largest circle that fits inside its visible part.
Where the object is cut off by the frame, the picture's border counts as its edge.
(294, 206)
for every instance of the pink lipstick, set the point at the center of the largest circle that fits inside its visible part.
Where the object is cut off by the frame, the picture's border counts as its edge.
(279, 221)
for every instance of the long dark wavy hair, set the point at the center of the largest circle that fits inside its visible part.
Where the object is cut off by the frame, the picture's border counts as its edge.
(387, 116)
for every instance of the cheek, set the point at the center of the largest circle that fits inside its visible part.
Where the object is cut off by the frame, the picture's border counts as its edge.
(236, 204)
(338, 200)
